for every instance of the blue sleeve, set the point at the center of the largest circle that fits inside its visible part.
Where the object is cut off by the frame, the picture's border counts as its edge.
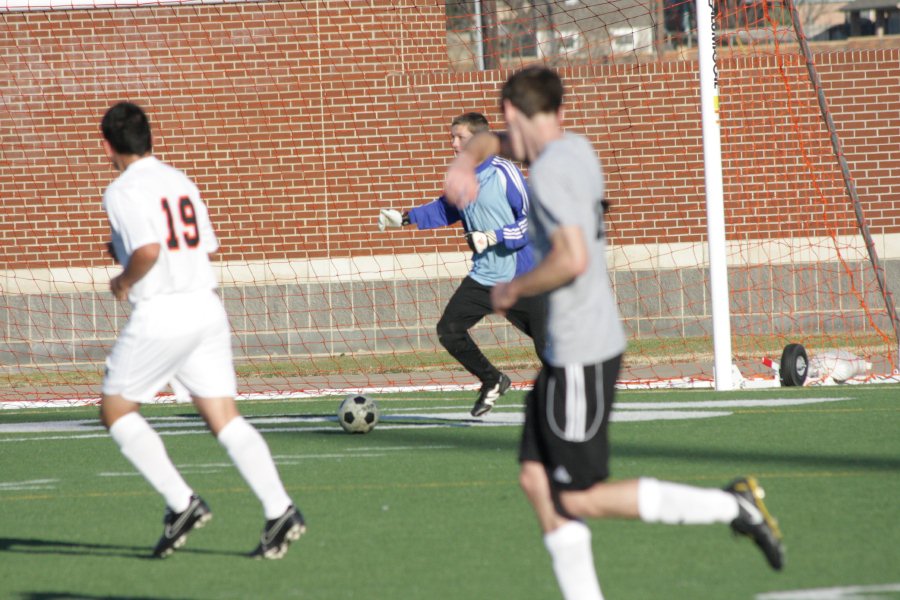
(514, 235)
(436, 213)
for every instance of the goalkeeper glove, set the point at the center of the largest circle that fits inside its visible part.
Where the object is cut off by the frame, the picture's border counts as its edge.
(389, 218)
(479, 241)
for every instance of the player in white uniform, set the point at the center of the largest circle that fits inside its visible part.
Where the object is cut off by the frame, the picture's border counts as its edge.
(177, 331)
(564, 454)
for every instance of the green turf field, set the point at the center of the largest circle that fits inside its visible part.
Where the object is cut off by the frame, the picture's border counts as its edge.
(427, 506)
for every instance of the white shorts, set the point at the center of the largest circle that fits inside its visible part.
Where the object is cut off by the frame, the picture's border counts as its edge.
(183, 336)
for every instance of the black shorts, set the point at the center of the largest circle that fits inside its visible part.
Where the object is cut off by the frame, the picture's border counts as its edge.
(567, 423)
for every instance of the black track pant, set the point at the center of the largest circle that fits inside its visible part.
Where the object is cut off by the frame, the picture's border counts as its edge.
(470, 303)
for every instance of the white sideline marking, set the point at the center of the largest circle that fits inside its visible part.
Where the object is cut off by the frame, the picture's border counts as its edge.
(51, 426)
(34, 484)
(664, 415)
(500, 418)
(400, 417)
(854, 592)
(748, 403)
(294, 395)
(388, 421)
(191, 422)
(204, 431)
(622, 404)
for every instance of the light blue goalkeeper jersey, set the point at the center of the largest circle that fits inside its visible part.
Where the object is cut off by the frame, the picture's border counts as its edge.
(502, 207)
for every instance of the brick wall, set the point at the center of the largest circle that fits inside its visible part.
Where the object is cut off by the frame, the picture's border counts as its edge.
(299, 119)
(296, 119)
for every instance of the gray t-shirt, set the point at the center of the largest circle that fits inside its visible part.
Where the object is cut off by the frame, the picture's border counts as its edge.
(583, 325)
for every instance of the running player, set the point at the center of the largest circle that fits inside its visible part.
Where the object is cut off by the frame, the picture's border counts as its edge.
(177, 331)
(496, 229)
(564, 452)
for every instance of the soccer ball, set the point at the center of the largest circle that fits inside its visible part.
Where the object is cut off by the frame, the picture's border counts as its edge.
(358, 414)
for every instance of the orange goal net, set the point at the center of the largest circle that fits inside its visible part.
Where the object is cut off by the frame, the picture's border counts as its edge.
(299, 121)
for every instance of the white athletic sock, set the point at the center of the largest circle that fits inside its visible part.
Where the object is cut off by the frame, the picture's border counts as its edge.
(573, 561)
(144, 448)
(250, 454)
(677, 504)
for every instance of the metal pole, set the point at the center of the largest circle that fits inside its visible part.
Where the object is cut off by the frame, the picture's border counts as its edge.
(479, 37)
(715, 203)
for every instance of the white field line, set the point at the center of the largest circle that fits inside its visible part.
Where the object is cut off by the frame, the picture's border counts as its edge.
(853, 592)
(31, 485)
(401, 417)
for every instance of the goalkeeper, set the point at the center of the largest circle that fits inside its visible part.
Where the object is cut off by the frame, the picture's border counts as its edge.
(496, 229)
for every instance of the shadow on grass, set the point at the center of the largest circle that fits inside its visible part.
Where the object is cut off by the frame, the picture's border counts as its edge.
(813, 459)
(63, 547)
(489, 440)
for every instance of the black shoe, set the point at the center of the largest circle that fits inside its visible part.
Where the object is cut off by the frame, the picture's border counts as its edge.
(279, 533)
(489, 394)
(178, 525)
(754, 520)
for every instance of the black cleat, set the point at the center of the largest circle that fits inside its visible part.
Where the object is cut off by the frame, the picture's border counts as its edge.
(754, 520)
(178, 525)
(489, 394)
(279, 533)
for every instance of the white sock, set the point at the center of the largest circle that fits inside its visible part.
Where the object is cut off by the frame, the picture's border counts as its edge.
(144, 448)
(677, 504)
(573, 561)
(250, 454)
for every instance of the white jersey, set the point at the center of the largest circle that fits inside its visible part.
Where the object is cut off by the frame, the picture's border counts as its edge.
(154, 203)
